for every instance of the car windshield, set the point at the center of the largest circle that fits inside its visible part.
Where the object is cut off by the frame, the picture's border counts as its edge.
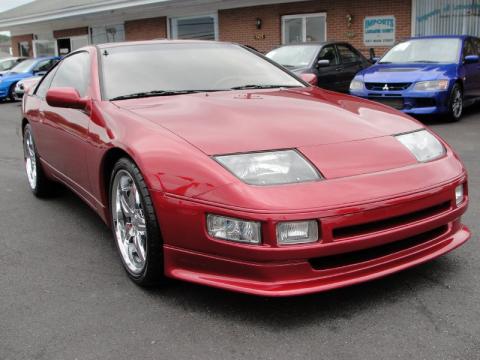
(24, 66)
(6, 64)
(424, 51)
(161, 69)
(293, 56)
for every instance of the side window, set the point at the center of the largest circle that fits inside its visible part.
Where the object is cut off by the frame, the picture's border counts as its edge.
(41, 65)
(43, 87)
(476, 41)
(73, 71)
(347, 55)
(469, 48)
(328, 53)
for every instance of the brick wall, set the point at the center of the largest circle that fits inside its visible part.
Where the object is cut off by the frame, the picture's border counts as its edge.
(146, 29)
(59, 34)
(18, 39)
(239, 25)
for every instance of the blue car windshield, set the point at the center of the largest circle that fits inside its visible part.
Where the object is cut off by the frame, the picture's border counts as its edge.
(24, 67)
(424, 51)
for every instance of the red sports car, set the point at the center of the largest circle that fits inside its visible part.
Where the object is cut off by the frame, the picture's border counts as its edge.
(214, 165)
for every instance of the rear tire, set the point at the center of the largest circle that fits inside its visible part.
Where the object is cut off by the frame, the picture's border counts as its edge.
(135, 226)
(39, 184)
(455, 103)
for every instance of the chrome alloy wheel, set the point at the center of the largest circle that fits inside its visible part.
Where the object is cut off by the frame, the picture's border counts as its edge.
(457, 104)
(129, 222)
(30, 158)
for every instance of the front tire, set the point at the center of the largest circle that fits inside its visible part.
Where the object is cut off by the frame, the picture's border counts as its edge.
(40, 185)
(11, 93)
(134, 224)
(455, 105)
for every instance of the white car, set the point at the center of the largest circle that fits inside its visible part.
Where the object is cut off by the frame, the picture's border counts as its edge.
(24, 85)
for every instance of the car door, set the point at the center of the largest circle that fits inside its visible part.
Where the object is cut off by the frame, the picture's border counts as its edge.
(468, 69)
(328, 75)
(351, 63)
(65, 131)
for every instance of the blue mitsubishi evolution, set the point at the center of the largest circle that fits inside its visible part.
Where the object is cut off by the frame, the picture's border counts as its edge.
(425, 75)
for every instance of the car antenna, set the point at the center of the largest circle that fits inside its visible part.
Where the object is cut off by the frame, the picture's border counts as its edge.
(105, 53)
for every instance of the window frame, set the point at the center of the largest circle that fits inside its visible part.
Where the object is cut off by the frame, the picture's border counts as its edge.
(303, 17)
(20, 47)
(173, 21)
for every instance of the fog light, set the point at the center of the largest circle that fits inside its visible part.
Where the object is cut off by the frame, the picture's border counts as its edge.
(297, 232)
(459, 196)
(226, 228)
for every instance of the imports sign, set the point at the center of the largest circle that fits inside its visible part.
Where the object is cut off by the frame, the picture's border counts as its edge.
(379, 31)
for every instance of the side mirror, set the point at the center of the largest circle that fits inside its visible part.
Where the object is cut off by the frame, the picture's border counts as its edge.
(65, 98)
(310, 78)
(323, 63)
(471, 59)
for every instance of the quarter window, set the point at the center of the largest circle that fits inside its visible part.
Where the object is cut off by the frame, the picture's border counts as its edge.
(304, 28)
(74, 71)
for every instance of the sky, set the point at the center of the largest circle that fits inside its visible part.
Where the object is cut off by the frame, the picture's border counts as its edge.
(10, 4)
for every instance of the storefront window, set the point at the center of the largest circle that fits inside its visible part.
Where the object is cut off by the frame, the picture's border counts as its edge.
(24, 48)
(107, 34)
(44, 48)
(304, 28)
(198, 27)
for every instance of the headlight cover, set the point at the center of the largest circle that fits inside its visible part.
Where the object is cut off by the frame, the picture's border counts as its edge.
(423, 145)
(434, 85)
(270, 167)
(227, 228)
(356, 85)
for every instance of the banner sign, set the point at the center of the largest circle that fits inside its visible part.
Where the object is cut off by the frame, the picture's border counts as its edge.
(379, 30)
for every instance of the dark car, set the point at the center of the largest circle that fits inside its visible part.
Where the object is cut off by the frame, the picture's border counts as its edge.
(334, 63)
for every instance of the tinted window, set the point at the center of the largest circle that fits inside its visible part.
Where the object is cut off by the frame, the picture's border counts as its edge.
(73, 71)
(328, 53)
(476, 41)
(469, 48)
(186, 67)
(347, 55)
(45, 84)
(44, 65)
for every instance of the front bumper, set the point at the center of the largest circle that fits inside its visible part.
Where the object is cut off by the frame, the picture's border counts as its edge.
(357, 243)
(410, 101)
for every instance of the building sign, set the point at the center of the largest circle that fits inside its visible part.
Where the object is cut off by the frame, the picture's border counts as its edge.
(379, 31)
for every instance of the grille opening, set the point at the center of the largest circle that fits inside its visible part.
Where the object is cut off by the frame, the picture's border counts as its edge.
(334, 261)
(387, 86)
(365, 228)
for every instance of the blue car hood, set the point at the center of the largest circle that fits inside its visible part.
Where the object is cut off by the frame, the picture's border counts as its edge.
(13, 77)
(386, 73)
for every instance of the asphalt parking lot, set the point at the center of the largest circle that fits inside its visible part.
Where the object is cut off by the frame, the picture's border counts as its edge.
(64, 294)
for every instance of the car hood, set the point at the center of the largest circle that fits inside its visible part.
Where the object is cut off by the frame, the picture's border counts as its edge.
(391, 73)
(340, 134)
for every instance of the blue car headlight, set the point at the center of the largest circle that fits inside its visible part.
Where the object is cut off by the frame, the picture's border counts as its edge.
(434, 85)
(356, 85)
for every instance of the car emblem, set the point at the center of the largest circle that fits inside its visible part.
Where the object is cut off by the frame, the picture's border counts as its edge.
(386, 88)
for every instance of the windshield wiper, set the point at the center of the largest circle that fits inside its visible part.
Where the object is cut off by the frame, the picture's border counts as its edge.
(257, 86)
(424, 61)
(152, 93)
(384, 62)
